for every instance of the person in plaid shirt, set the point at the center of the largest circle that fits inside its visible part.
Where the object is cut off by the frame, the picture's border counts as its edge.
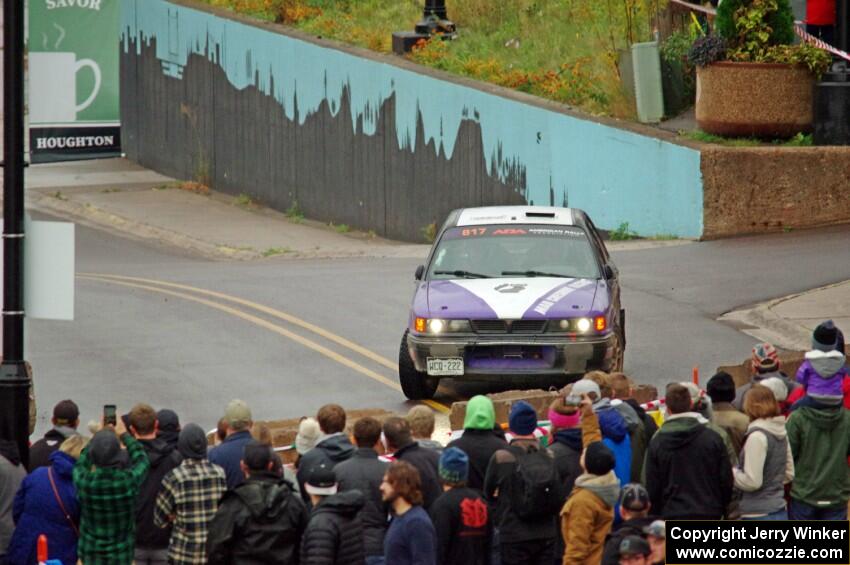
(107, 480)
(189, 498)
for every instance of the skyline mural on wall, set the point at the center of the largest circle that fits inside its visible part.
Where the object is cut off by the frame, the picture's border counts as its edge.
(545, 156)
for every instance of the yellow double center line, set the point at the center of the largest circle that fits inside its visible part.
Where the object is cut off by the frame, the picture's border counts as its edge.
(192, 293)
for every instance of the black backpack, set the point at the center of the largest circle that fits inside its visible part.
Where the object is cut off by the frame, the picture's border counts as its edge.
(535, 487)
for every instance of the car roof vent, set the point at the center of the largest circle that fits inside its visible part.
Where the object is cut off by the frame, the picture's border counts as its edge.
(540, 214)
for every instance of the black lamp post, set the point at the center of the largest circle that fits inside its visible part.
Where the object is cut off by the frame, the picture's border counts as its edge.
(14, 380)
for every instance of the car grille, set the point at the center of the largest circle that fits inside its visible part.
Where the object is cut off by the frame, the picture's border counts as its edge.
(524, 327)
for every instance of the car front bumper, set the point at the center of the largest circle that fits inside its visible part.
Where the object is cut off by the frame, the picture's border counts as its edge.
(494, 357)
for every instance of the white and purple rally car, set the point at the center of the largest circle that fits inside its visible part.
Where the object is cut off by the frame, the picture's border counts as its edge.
(513, 293)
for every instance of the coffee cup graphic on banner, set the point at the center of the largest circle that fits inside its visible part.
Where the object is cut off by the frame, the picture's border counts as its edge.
(53, 86)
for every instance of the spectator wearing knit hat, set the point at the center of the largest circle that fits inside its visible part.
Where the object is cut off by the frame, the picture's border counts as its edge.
(460, 515)
(764, 364)
(635, 507)
(615, 429)
(66, 419)
(565, 440)
(588, 513)
(480, 440)
(527, 538)
(823, 372)
(189, 498)
(780, 393)
(107, 480)
(721, 390)
(688, 472)
(228, 454)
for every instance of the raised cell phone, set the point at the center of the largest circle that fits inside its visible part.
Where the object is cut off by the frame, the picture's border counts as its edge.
(109, 415)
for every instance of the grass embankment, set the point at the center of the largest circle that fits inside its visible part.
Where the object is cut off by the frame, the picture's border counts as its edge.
(563, 50)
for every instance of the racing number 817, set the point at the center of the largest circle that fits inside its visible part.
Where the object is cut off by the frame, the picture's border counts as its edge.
(473, 231)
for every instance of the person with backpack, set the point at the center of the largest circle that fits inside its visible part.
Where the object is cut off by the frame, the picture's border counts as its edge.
(480, 439)
(587, 515)
(522, 484)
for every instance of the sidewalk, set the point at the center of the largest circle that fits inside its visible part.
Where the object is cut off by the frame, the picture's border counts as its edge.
(122, 197)
(788, 322)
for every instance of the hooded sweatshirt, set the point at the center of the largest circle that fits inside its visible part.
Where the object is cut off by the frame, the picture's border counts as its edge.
(688, 472)
(479, 440)
(587, 516)
(818, 440)
(766, 466)
(163, 458)
(332, 449)
(615, 434)
(260, 522)
(822, 375)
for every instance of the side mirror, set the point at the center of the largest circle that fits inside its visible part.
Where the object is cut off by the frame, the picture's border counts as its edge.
(609, 272)
(420, 270)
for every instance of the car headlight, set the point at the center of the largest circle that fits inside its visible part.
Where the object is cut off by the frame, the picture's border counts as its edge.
(578, 325)
(436, 326)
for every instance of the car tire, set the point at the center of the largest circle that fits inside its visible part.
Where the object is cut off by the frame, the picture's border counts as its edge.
(415, 385)
(618, 361)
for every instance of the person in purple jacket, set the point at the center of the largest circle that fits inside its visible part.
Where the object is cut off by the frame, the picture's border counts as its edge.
(411, 538)
(822, 373)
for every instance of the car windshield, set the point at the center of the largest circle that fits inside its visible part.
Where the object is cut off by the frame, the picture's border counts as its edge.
(514, 251)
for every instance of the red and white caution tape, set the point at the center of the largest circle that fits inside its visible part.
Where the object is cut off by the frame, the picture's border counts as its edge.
(812, 40)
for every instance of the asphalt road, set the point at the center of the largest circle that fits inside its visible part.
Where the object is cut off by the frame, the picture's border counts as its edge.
(290, 335)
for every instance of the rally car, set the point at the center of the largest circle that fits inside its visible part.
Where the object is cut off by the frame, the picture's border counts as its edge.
(514, 293)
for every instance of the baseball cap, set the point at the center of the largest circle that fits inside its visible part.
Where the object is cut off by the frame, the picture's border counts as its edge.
(237, 412)
(585, 386)
(657, 529)
(321, 481)
(634, 497)
(66, 412)
(634, 545)
(256, 455)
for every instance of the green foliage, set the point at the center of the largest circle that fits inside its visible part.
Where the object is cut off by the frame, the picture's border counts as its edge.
(707, 50)
(294, 213)
(244, 200)
(817, 60)
(429, 232)
(273, 251)
(675, 48)
(622, 233)
(341, 228)
(799, 140)
(755, 24)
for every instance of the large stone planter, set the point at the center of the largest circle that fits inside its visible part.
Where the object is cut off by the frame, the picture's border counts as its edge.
(754, 99)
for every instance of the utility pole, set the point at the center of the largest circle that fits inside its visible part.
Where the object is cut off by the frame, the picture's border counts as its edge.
(14, 380)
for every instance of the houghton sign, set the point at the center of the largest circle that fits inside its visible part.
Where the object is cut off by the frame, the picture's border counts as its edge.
(73, 79)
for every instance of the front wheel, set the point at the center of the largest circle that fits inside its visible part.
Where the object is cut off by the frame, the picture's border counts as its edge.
(618, 357)
(415, 385)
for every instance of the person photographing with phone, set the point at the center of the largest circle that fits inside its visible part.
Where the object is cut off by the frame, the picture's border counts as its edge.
(107, 479)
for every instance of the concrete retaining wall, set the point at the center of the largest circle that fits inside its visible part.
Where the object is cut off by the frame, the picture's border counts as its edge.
(374, 141)
(760, 189)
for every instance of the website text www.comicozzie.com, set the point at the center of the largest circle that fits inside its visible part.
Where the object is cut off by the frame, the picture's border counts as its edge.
(758, 542)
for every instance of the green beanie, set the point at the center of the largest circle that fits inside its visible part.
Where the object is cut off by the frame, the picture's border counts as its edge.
(480, 414)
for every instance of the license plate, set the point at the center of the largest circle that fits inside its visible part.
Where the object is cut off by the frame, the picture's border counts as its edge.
(445, 367)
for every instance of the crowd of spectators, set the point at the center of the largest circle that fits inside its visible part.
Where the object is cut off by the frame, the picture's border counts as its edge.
(596, 488)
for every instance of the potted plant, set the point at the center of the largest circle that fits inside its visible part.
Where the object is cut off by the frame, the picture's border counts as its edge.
(752, 81)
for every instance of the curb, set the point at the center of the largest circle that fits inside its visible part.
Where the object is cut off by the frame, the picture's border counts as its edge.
(761, 322)
(91, 216)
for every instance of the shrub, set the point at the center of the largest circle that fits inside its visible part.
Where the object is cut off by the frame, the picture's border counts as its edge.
(707, 50)
(753, 24)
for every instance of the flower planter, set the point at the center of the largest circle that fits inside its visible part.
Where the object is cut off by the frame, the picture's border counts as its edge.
(754, 99)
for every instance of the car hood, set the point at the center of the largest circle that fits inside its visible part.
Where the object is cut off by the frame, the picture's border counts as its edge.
(508, 298)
